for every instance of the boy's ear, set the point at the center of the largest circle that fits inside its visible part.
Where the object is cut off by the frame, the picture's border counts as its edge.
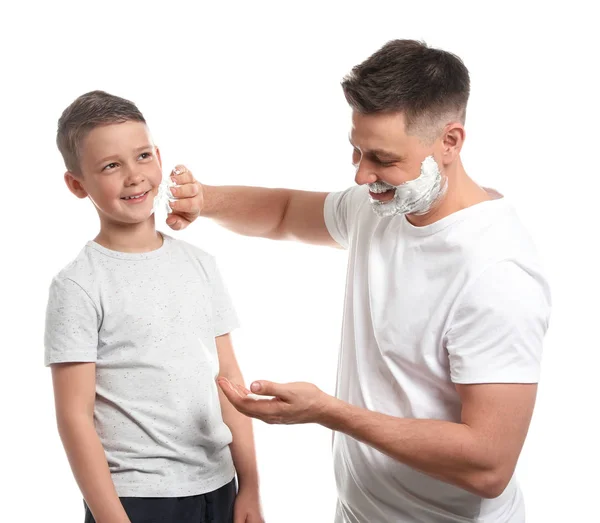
(75, 186)
(158, 156)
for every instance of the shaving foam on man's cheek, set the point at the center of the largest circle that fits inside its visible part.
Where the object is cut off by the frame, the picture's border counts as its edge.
(415, 196)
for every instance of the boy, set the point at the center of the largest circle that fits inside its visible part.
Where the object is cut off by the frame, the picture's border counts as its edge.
(137, 330)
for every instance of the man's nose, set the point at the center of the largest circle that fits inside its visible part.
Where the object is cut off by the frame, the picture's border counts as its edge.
(364, 175)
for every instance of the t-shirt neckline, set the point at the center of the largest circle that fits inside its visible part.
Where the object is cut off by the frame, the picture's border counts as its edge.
(497, 201)
(134, 256)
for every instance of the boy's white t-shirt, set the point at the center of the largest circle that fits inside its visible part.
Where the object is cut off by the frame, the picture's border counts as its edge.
(149, 321)
(462, 300)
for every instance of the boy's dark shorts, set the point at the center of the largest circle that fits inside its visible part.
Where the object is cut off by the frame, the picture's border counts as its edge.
(213, 507)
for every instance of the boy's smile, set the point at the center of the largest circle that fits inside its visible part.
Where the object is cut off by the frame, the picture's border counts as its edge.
(136, 198)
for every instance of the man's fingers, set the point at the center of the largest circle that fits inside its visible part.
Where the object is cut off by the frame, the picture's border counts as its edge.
(187, 206)
(183, 178)
(177, 224)
(268, 388)
(232, 394)
(237, 395)
(188, 190)
(189, 200)
(179, 169)
(243, 389)
(181, 175)
(233, 390)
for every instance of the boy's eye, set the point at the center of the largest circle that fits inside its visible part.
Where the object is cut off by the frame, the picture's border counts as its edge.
(109, 166)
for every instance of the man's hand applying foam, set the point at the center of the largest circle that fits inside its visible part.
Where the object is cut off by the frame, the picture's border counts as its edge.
(189, 201)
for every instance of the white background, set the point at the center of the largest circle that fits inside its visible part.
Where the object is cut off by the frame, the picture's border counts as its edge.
(248, 93)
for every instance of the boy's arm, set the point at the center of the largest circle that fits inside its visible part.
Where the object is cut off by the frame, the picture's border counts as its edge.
(74, 395)
(242, 447)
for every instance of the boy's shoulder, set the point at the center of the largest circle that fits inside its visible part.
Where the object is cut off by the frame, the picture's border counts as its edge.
(189, 249)
(84, 268)
(80, 269)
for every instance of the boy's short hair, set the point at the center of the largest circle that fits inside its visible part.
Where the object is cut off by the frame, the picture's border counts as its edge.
(407, 76)
(84, 114)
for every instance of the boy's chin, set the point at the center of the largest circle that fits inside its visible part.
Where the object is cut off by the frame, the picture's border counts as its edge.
(148, 218)
(129, 220)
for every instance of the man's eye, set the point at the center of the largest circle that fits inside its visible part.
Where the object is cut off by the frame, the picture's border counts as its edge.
(384, 164)
(143, 156)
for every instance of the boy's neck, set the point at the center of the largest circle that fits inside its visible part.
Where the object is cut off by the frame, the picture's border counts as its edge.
(138, 237)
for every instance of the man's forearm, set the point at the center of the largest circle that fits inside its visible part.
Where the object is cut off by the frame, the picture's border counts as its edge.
(251, 211)
(88, 463)
(447, 451)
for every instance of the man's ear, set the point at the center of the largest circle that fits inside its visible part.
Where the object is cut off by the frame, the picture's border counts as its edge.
(453, 139)
(74, 184)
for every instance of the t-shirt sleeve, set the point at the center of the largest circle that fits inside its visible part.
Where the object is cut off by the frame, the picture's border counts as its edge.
(225, 318)
(341, 210)
(497, 331)
(72, 324)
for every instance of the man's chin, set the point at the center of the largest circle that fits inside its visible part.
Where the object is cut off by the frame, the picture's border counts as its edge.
(385, 209)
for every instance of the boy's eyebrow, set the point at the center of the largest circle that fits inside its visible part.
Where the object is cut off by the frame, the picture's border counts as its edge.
(115, 156)
(148, 146)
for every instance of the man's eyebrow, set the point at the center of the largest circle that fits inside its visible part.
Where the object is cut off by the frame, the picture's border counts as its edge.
(380, 153)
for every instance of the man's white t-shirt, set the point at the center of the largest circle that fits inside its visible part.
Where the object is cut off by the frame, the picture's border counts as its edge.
(462, 300)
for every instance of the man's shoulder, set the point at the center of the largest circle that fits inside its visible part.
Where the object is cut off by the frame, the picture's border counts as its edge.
(501, 235)
(491, 248)
(500, 258)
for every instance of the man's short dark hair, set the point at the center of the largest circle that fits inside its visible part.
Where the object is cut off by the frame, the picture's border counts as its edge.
(407, 76)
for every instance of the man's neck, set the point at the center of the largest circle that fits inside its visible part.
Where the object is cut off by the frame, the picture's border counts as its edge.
(138, 237)
(461, 192)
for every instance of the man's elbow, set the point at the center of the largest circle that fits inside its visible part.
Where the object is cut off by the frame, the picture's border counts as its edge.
(491, 483)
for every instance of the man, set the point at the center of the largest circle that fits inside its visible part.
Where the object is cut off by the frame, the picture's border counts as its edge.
(445, 312)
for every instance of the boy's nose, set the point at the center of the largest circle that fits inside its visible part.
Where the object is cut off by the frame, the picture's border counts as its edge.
(134, 178)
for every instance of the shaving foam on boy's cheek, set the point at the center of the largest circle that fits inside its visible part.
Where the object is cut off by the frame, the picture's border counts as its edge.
(163, 197)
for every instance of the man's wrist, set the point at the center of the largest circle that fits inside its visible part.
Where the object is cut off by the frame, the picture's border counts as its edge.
(208, 195)
(331, 412)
